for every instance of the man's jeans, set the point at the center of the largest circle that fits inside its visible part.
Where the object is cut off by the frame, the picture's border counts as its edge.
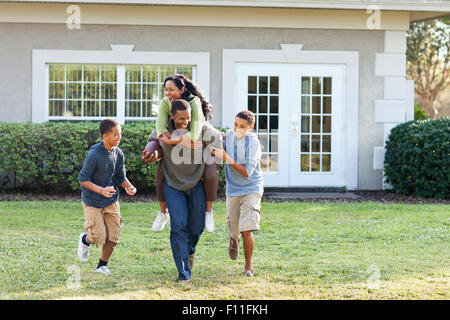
(187, 220)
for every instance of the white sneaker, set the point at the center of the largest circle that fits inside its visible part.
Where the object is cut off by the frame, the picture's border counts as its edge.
(103, 269)
(83, 250)
(209, 221)
(160, 221)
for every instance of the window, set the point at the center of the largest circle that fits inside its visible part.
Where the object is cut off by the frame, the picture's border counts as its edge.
(90, 92)
(144, 88)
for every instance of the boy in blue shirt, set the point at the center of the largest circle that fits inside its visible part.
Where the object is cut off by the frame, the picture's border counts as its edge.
(245, 185)
(103, 171)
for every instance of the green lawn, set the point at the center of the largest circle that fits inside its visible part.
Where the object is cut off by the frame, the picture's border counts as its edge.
(303, 251)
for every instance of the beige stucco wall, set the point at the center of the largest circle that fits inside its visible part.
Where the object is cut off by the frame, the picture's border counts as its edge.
(17, 41)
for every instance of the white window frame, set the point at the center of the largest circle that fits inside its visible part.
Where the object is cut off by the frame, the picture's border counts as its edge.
(120, 55)
(293, 53)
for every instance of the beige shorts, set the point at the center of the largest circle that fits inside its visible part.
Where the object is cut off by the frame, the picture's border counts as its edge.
(102, 223)
(243, 214)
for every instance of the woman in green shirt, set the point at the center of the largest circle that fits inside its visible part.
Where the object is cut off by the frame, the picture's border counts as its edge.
(179, 87)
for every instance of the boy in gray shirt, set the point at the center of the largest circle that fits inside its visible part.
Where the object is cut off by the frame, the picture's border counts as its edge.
(103, 171)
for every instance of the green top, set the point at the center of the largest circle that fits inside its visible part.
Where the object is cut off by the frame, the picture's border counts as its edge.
(197, 118)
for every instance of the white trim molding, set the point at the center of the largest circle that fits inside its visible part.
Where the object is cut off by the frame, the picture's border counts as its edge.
(119, 55)
(295, 54)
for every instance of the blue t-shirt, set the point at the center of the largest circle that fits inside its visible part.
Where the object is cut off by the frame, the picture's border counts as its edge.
(104, 169)
(246, 151)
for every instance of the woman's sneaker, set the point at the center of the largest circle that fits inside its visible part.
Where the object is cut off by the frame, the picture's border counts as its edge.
(160, 221)
(209, 221)
(103, 269)
(83, 250)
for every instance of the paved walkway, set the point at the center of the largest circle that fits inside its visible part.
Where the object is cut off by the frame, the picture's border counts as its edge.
(308, 195)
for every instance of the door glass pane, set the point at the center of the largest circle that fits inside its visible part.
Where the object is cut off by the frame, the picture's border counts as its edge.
(252, 84)
(263, 101)
(304, 162)
(315, 162)
(263, 85)
(316, 85)
(306, 85)
(315, 120)
(274, 104)
(274, 85)
(326, 85)
(273, 162)
(262, 104)
(306, 107)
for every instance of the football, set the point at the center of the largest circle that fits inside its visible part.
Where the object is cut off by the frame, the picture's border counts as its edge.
(154, 147)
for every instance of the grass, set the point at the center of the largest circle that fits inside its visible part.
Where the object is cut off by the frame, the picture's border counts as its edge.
(303, 251)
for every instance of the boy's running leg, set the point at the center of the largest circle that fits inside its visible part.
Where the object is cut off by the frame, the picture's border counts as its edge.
(249, 244)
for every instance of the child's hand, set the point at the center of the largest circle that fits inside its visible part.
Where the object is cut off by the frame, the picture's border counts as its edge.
(218, 153)
(186, 141)
(131, 191)
(148, 157)
(108, 192)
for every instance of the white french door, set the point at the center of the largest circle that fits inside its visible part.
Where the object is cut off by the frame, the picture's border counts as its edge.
(299, 121)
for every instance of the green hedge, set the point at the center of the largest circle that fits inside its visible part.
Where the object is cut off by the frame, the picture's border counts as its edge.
(417, 159)
(49, 156)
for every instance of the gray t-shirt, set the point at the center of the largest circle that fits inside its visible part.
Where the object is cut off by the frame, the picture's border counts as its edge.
(183, 167)
(104, 169)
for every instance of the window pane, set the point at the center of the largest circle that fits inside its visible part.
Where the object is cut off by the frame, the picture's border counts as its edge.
(262, 104)
(274, 104)
(73, 91)
(305, 143)
(274, 85)
(56, 73)
(251, 84)
(306, 83)
(315, 143)
(73, 109)
(252, 103)
(109, 73)
(316, 85)
(306, 104)
(264, 163)
(326, 124)
(92, 73)
(273, 140)
(91, 108)
(315, 162)
(109, 109)
(263, 85)
(326, 162)
(263, 141)
(316, 124)
(262, 125)
(327, 105)
(273, 124)
(326, 143)
(304, 162)
(326, 85)
(316, 105)
(273, 162)
(56, 91)
(305, 124)
(91, 91)
(149, 74)
(73, 73)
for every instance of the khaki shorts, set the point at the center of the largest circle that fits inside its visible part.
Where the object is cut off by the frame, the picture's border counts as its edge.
(102, 223)
(243, 214)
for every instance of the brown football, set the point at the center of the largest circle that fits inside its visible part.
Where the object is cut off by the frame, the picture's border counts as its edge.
(154, 147)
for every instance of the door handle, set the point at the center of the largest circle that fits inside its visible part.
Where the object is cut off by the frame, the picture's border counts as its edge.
(294, 128)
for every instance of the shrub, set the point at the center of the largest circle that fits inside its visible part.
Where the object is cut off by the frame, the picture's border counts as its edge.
(417, 158)
(50, 155)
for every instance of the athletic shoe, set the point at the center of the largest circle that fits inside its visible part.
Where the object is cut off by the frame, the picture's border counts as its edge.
(103, 269)
(160, 221)
(209, 221)
(83, 250)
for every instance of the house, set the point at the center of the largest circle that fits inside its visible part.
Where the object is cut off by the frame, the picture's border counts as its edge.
(326, 79)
